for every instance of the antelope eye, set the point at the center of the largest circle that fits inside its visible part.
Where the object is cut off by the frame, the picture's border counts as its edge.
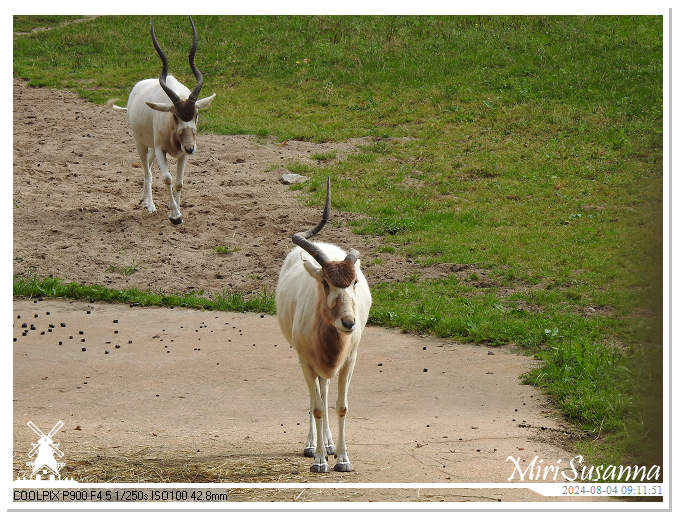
(325, 285)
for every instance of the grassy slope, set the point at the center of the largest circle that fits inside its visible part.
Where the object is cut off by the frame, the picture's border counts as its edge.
(537, 157)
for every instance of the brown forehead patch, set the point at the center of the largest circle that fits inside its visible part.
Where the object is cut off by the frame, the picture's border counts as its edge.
(340, 274)
(185, 109)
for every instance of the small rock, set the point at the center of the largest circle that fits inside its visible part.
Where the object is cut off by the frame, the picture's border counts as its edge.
(292, 178)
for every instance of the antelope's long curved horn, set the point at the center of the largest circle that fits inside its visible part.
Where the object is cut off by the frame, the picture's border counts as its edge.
(301, 238)
(163, 75)
(196, 72)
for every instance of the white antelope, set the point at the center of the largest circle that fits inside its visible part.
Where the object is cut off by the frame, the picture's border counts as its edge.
(322, 302)
(163, 115)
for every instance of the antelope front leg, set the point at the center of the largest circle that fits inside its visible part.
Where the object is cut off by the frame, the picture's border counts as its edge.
(320, 464)
(344, 378)
(175, 215)
(329, 445)
(310, 447)
(146, 156)
(179, 181)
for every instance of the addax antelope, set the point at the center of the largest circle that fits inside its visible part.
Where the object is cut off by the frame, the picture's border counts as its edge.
(322, 301)
(163, 114)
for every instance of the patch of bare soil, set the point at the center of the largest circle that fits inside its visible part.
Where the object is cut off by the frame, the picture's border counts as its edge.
(77, 186)
(42, 29)
(179, 395)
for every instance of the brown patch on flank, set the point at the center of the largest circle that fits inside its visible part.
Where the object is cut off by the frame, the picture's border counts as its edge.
(340, 274)
(330, 348)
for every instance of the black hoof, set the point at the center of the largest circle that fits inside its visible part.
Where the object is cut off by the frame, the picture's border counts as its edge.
(309, 452)
(319, 468)
(330, 450)
(176, 221)
(342, 466)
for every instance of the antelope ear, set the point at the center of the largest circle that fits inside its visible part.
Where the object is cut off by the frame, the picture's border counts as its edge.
(161, 107)
(312, 268)
(204, 103)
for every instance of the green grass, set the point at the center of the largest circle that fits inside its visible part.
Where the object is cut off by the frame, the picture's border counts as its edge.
(22, 23)
(325, 156)
(533, 152)
(225, 250)
(126, 270)
(32, 287)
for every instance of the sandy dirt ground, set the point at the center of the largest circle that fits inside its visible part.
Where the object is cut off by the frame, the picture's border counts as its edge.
(175, 395)
(78, 183)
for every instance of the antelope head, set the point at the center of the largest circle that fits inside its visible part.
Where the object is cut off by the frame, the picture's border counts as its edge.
(184, 111)
(337, 280)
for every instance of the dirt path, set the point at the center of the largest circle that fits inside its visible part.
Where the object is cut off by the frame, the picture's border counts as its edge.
(78, 183)
(192, 396)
